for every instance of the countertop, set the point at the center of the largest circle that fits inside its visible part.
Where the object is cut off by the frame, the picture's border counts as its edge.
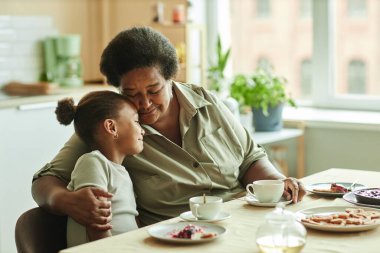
(76, 93)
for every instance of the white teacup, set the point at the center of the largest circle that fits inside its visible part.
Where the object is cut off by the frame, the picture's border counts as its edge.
(205, 208)
(266, 191)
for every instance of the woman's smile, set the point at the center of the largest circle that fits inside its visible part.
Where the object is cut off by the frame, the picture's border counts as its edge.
(147, 112)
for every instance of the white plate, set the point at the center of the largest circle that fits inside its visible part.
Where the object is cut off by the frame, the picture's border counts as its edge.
(188, 216)
(165, 232)
(326, 186)
(254, 202)
(328, 210)
(350, 197)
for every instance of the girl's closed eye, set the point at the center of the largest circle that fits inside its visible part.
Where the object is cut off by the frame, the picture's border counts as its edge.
(129, 95)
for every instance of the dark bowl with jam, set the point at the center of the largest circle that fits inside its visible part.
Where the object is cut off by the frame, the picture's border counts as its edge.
(368, 196)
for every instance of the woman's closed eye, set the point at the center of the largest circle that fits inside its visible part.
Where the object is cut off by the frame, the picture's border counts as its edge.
(153, 92)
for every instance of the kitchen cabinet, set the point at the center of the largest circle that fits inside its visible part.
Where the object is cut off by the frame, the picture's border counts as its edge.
(189, 41)
(96, 21)
(30, 136)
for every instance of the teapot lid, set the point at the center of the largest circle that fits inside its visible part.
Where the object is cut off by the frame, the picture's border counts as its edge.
(280, 215)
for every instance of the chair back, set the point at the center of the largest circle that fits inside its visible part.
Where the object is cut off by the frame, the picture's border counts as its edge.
(38, 231)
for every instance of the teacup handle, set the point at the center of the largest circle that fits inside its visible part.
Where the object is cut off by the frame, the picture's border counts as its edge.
(196, 210)
(248, 188)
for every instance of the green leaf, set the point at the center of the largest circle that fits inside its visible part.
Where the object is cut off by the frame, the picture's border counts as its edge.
(216, 71)
(262, 90)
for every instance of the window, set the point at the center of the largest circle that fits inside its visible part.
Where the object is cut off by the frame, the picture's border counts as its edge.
(264, 64)
(305, 8)
(306, 74)
(330, 60)
(357, 8)
(263, 8)
(282, 42)
(356, 77)
(352, 84)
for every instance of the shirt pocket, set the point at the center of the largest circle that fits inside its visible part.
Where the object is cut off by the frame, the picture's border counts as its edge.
(223, 149)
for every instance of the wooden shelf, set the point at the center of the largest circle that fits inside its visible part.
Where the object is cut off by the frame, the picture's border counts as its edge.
(192, 36)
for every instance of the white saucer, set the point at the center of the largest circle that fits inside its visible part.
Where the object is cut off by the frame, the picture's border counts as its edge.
(188, 216)
(254, 202)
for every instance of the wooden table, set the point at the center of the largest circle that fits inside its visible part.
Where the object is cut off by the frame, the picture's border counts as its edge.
(242, 226)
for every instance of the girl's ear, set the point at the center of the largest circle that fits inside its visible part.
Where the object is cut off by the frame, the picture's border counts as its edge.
(110, 126)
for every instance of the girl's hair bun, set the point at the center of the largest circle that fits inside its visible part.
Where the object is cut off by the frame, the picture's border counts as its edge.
(65, 111)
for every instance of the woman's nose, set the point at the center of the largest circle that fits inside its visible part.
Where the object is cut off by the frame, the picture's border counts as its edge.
(144, 102)
(142, 131)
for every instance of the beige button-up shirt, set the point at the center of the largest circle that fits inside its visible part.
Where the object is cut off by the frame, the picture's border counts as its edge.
(216, 152)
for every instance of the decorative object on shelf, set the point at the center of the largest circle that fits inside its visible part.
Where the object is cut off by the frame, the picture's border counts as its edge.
(160, 10)
(265, 93)
(179, 14)
(216, 76)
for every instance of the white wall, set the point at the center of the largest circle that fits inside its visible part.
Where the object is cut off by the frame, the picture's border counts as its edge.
(337, 148)
(343, 148)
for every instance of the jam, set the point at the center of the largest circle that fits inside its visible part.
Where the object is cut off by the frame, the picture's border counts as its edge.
(192, 232)
(370, 193)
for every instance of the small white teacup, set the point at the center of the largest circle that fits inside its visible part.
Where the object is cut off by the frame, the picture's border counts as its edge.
(205, 208)
(266, 191)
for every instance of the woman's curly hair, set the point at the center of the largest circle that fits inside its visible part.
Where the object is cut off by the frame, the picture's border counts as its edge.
(138, 47)
(92, 108)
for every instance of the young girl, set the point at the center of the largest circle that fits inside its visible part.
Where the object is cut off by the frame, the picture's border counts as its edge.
(109, 125)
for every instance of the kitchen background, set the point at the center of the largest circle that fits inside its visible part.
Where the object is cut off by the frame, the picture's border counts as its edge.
(30, 135)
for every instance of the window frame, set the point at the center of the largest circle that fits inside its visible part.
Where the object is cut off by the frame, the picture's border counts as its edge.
(323, 93)
(306, 63)
(267, 7)
(357, 69)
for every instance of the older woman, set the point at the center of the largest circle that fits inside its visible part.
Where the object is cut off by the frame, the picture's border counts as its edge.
(192, 145)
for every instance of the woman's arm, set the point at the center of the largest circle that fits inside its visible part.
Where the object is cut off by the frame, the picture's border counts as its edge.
(49, 189)
(83, 205)
(96, 234)
(261, 169)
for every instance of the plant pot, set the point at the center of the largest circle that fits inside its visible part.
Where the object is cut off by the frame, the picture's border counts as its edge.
(272, 122)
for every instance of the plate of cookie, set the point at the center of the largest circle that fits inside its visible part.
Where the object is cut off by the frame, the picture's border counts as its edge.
(339, 218)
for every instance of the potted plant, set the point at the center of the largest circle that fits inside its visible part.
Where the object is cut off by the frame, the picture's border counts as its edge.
(264, 92)
(216, 72)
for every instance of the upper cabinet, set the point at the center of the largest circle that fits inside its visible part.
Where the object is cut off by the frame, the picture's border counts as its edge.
(98, 21)
(189, 41)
